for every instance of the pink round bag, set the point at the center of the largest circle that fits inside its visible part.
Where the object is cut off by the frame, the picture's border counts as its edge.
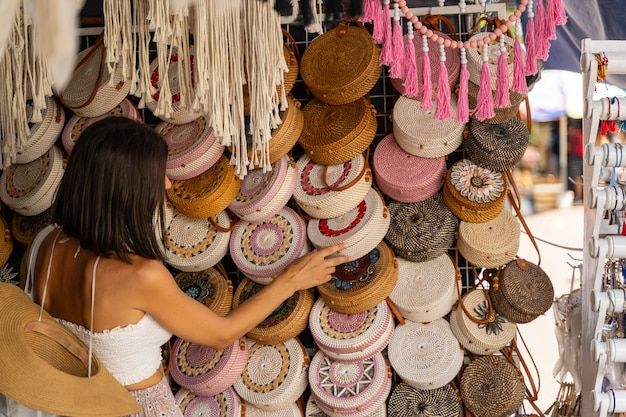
(224, 404)
(204, 370)
(193, 148)
(405, 177)
(263, 194)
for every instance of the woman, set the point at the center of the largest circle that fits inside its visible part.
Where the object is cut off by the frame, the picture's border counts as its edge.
(100, 271)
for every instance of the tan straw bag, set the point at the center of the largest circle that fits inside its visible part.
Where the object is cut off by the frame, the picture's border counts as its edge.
(211, 287)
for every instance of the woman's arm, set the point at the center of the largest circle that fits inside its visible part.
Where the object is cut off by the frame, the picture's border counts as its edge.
(191, 320)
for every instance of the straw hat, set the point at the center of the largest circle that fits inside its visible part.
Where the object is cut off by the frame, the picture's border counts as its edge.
(225, 404)
(44, 366)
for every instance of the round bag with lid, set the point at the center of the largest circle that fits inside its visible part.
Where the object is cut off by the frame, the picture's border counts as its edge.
(224, 404)
(502, 114)
(475, 59)
(421, 231)
(333, 134)
(349, 388)
(313, 410)
(406, 177)
(326, 191)
(425, 291)
(474, 193)
(275, 375)
(362, 228)
(210, 287)
(351, 55)
(419, 133)
(497, 147)
(408, 401)
(362, 283)
(425, 355)
(43, 134)
(351, 337)
(7, 242)
(25, 228)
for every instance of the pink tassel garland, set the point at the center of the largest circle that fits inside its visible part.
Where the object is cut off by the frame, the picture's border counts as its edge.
(444, 110)
(397, 66)
(543, 44)
(411, 87)
(529, 39)
(519, 78)
(378, 33)
(386, 55)
(550, 20)
(502, 80)
(427, 85)
(462, 112)
(369, 9)
(484, 101)
(560, 17)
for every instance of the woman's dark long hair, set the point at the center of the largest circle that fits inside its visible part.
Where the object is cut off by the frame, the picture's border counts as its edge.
(111, 195)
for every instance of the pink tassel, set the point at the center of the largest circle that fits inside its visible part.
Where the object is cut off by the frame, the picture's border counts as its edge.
(378, 33)
(411, 88)
(550, 20)
(560, 17)
(543, 44)
(444, 109)
(397, 43)
(427, 85)
(369, 9)
(484, 101)
(529, 39)
(519, 78)
(502, 80)
(462, 112)
(386, 55)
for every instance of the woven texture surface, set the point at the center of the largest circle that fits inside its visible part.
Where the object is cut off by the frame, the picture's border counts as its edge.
(42, 135)
(407, 401)
(475, 59)
(225, 404)
(502, 114)
(24, 228)
(497, 147)
(209, 287)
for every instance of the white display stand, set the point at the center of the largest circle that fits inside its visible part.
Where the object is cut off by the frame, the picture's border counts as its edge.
(601, 240)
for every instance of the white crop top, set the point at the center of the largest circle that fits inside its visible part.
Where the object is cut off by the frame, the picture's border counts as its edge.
(131, 353)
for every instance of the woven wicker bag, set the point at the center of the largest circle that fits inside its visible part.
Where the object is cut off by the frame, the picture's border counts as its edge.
(352, 57)
(193, 244)
(425, 291)
(211, 287)
(92, 91)
(419, 133)
(42, 135)
(193, 148)
(475, 59)
(521, 291)
(225, 404)
(275, 375)
(204, 370)
(7, 242)
(405, 177)
(353, 389)
(362, 283)
(421, 231)
(497, 147)
(491, 387)
(491, 244)
(474, 193)
(24, 228)
(407, 401)
(286, 322)
(291, 410)
(478, 326)
(326, 191)
(334, 134)
(351, 337)
(502, 114)
(207, 194)
(425, 355)
(362, 228)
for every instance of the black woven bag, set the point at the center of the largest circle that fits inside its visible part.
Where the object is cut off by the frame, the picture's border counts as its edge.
(407, 401)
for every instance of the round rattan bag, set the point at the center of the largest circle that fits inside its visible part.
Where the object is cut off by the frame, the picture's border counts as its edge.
(275, 375)
(475, 59)
(502, 114)
(29, 189)
(362, 228)
(42, 134)
(362, 283)
(291, 410)
(349, 388)
(491, 387)
(351, 55)
(491, 244)
(408, 401)
(351, 337)
(263, 194)
(419, 133)
(474, 193)
(497, 147)
(421, 231)
(326, 191)
(24, 228)
(210, 287)
(7, 242)
(333, 134)
(313, 410)
(425, 291)
(286, 322)
(193, 148)
(478, 326)
(207, 194)
(193, 244)
(405, 177)
(265, 249)
(521, 291)
(204, 370)
(224, 404)
(92, 91)
(425, 355)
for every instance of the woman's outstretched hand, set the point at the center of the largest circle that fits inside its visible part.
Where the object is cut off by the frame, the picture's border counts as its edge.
(314, 268)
